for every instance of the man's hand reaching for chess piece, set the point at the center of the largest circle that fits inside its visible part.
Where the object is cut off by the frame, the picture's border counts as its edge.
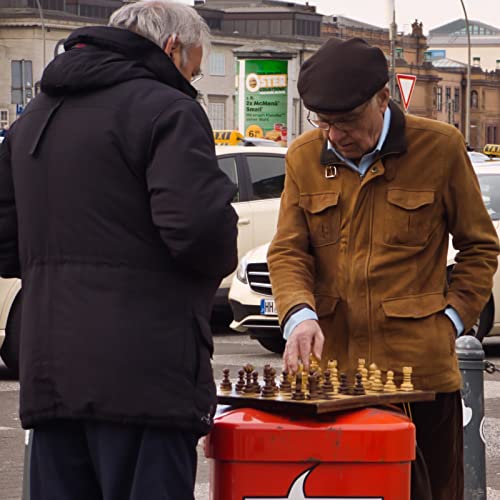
(306, 338)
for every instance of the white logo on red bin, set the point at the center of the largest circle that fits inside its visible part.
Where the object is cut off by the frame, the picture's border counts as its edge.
(297, 492)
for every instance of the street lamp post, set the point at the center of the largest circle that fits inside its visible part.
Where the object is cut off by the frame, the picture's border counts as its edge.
(467, 88)
(40, 12)
(392, 38)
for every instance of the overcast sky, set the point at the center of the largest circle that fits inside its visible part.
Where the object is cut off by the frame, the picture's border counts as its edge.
(432, 13)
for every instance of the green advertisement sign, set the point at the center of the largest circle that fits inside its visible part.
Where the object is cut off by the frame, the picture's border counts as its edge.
(266, 99)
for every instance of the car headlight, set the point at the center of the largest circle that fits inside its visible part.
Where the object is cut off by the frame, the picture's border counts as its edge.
(241, 272)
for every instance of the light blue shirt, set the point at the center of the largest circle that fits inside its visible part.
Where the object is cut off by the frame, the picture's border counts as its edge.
(364, 164)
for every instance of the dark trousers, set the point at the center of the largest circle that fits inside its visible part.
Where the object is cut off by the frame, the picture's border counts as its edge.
(81, 460)
(438, 472)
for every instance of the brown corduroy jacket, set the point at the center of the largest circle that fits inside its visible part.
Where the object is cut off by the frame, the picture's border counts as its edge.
(368, 254)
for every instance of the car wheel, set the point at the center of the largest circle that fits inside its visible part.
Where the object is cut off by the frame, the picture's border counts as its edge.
(276, 345)
(10, 347)
(485, 321)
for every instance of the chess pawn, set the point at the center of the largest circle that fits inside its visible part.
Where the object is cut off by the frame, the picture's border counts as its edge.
(361, 364)
(313, 380)
(327, 386)
(390, 386)
(364, 376)
(240, 384)
(255, 381)
(376, 384)
(371, 375)
(285, 386)
(225, 384)
(343, 386)
(298, 393)
(406, 386)
(359, 389)
(249, 387)
(313, 363)
(272, 373)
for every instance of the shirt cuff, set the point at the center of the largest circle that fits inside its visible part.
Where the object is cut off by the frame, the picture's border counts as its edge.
(455, 319)
(296, 318)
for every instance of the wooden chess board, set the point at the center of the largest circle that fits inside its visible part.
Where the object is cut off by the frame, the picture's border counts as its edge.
(283, 402)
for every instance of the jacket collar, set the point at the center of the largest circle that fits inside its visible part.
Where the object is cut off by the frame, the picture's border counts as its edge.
(395, 143)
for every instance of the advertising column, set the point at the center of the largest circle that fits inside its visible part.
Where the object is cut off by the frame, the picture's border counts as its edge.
(263, 99)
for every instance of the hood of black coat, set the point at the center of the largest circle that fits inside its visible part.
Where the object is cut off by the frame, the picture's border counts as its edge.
(100, 56)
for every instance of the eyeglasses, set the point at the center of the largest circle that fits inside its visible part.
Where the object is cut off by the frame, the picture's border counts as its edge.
(197, 77)
(347, 124)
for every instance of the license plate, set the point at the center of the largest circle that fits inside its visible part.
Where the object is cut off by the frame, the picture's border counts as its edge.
(268, 307)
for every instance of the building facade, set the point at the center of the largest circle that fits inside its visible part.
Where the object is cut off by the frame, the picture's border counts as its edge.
(261, 29)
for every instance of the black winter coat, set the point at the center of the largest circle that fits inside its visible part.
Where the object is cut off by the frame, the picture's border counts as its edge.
(115, 214)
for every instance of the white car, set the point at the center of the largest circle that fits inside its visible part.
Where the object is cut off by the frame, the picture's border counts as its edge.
(259, 173)
(251, 297)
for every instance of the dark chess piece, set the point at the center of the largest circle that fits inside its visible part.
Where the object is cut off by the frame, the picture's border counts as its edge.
(298, 393)
(268, 389)
(255, 381)
(225, 385)
(240, 384)
(272, 372)
(344, 386)
(285, 386)
(313, 384)
(327, 387)
(249, 388)
(359, 389)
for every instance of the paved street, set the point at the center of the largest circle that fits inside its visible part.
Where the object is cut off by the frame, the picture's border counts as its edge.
(232, 351)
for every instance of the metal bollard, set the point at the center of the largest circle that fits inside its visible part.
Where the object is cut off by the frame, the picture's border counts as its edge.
(27, 464)
(471, 362)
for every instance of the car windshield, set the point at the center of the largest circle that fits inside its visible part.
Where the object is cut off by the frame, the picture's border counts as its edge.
(490, 189)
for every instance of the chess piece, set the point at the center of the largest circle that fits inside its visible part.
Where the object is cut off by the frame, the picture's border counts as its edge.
(371, 376)
(376, 384)
(359, 389)
(313, 363)
(298, 393)
(272, 373)
(225, 384)
(327, 387)
(343, 386)
(285, 386)
(390, 386)
(240, 384)
(334, 375)
(313, 383)
(268, 389)
(255, 381)
(249, 387)
(406, 386)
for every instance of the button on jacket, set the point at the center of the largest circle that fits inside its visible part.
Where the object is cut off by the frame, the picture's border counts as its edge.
(368, 254)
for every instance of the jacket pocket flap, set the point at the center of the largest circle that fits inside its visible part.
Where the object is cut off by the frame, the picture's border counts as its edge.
(316, 203)
(410, 200)
(415, 306)
(325, 304)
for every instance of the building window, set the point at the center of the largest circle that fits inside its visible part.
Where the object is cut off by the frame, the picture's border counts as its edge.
(439, 99)
(491, 135)
(22, 82)
(4, 118)
(474, 99)
(217, 114)
(217, 64)
(456, 100)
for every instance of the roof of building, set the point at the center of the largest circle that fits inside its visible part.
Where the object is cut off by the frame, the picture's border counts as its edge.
(446, 63)
(458, 27)
(353, 23)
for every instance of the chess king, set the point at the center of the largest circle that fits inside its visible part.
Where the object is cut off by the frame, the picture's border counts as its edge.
(358, 263)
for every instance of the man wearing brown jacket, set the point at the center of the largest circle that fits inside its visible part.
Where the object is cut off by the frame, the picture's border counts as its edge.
(358, 264)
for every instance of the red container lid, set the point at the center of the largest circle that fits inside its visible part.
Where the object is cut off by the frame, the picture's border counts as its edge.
(366, 435)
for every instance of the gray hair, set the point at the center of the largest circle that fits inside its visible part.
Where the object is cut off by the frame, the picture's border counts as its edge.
(157, 20)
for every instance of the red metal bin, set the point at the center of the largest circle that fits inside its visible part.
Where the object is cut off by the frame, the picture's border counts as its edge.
(359, 455)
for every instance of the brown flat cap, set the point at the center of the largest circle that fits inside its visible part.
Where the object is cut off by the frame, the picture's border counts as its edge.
(341, 75)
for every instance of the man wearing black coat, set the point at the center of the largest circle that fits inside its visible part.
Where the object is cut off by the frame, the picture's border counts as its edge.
(114, 213)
